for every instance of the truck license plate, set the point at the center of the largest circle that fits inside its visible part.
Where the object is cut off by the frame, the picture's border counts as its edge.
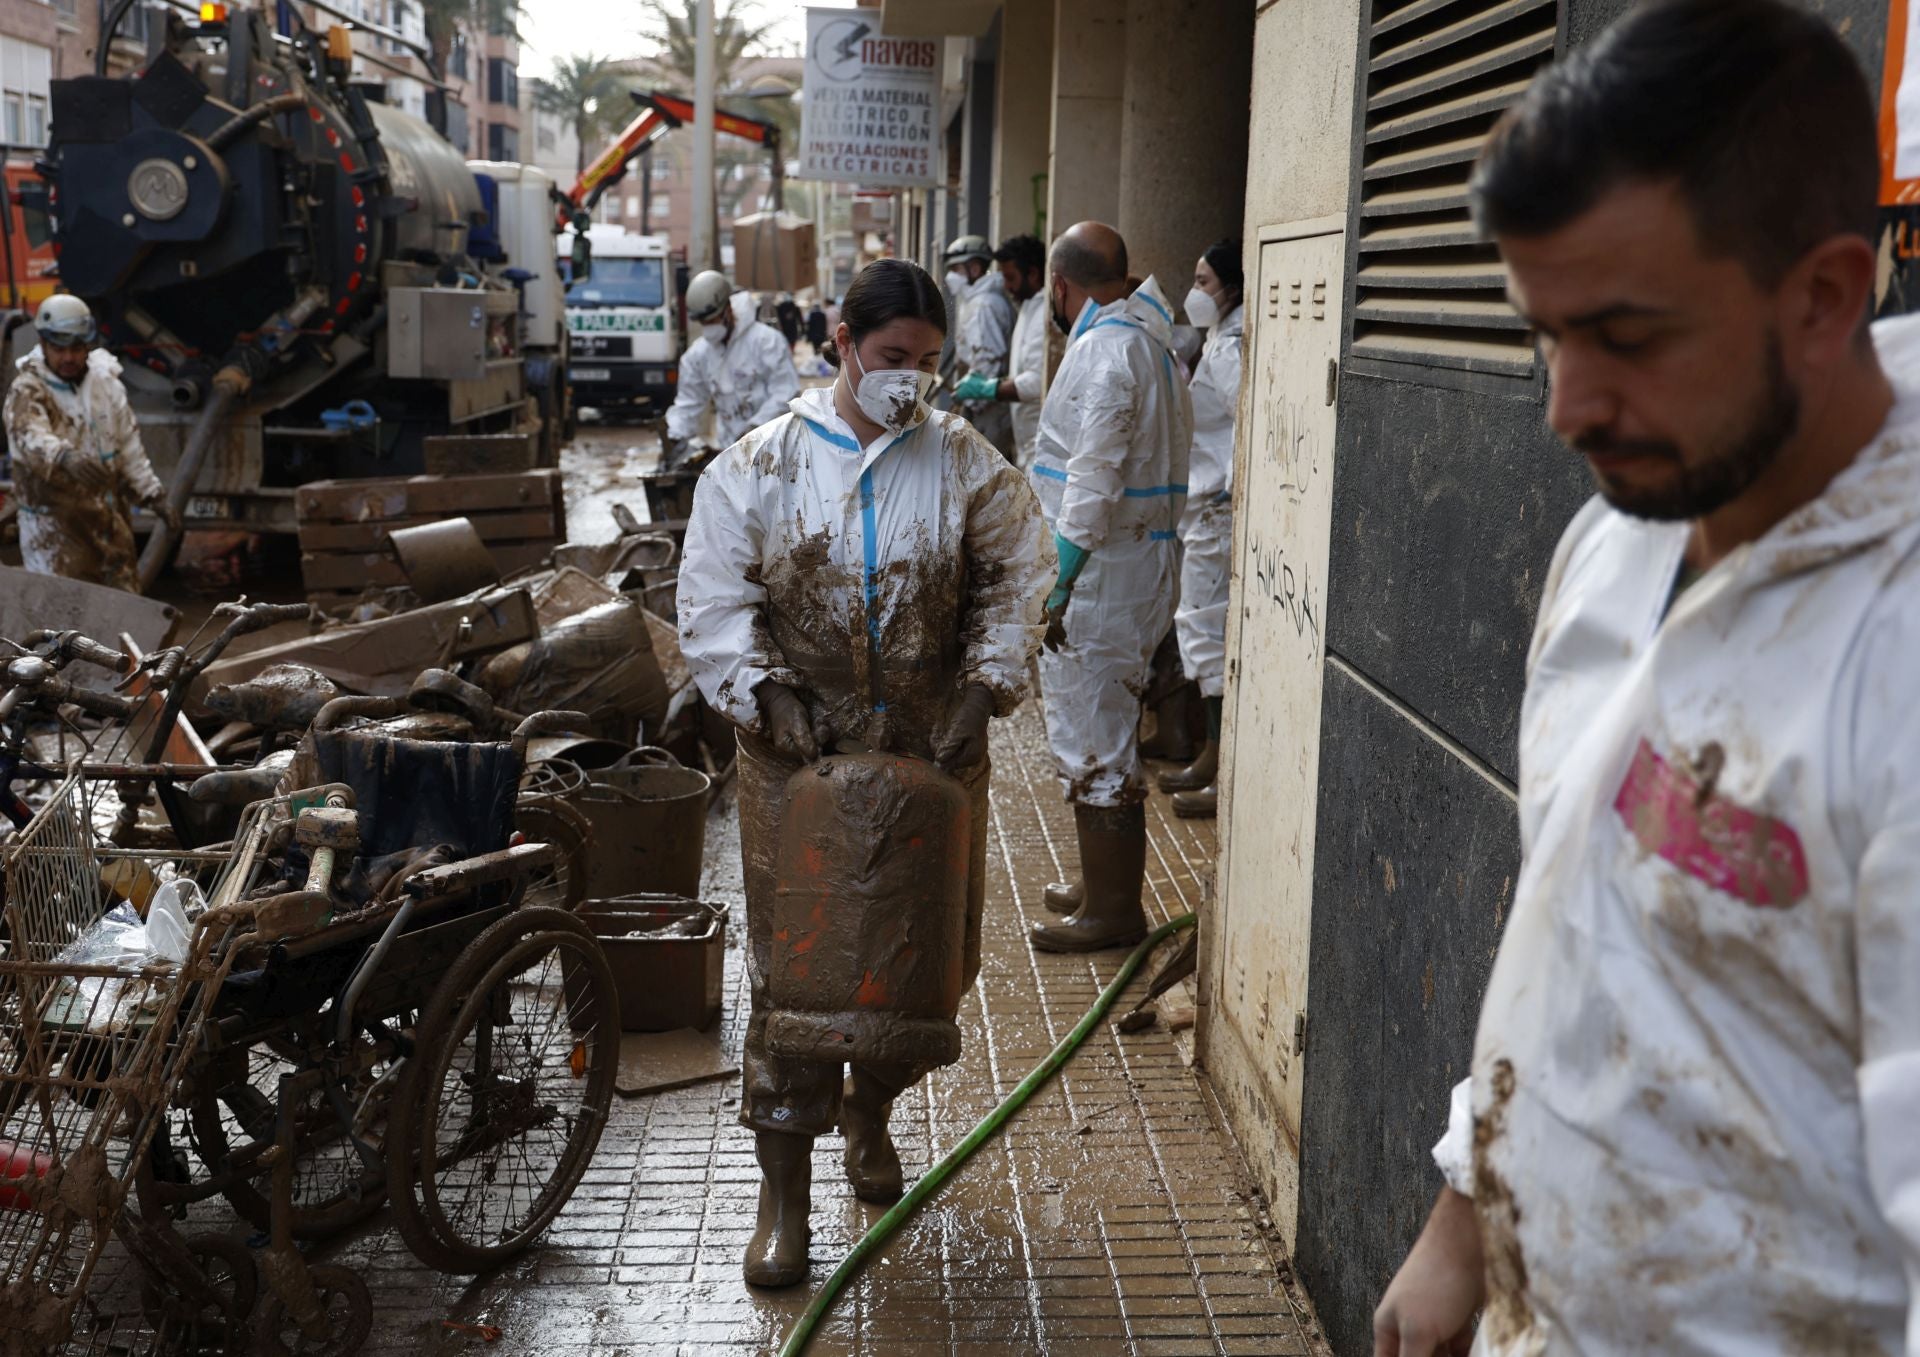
(209, 506)
(592, 374)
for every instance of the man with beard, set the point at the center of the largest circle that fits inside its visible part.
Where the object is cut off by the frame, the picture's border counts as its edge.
(1690, 1122)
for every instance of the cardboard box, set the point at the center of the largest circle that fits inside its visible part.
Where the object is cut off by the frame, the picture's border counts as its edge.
(773, 253)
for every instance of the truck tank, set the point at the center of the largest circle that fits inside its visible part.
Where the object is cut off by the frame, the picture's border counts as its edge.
(241, 205)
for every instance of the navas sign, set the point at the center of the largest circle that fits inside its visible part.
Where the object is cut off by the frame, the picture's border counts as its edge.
(870, 106)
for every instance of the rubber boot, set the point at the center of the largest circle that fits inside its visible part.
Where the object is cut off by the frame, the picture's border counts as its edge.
(873, 1165)
(777, 1253)
(1198, 774)
(1113, 856)
(1203, 804)
(1063, 897)
(1172, 730)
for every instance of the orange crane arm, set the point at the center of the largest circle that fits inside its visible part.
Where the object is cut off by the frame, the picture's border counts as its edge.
(660, 114)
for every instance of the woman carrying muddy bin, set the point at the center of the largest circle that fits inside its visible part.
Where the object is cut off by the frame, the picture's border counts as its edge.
(862, 590)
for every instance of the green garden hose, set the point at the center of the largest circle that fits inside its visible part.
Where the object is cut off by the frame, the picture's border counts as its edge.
(931, 1182)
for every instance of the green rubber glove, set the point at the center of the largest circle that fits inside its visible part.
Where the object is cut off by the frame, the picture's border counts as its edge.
(1073, 560)
(977, 386)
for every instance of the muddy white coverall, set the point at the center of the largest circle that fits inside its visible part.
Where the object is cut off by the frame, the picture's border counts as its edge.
(878, 585)
(983, 333)
(1693, 1120)
(67, 527)
(745, 382)
(1206, 529)
(1028, 360)
(1110, 465)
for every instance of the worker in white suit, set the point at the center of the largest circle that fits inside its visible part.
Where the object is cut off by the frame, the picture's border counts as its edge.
(739, 370)
(1022, 261)
(861, 571)
(1110, 466)
(1692, 1124)
(1206, 529)
(983, 335)
(79, 466)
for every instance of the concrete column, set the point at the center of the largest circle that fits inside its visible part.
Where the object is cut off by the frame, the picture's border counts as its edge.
(1089, 86)
(976, 154)
(1183, 136)
(1022, 124)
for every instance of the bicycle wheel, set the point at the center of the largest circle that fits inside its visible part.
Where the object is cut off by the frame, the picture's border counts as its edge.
(516, 1060)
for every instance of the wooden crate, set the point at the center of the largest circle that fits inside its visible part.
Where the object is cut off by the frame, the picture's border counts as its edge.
(344, 525)
(480, 454)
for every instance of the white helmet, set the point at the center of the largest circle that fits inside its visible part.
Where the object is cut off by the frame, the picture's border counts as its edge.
(969, 247)
(707, 296)
(64, 319)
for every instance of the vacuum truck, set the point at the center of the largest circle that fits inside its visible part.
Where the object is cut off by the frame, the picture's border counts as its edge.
(300, 281)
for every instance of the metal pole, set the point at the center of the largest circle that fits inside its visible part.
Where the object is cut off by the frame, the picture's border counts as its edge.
(704, 252)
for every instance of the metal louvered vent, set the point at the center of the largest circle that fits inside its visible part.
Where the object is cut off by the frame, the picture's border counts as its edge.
(1427, 290)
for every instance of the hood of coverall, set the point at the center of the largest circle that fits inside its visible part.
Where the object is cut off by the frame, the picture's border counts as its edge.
(99, 363)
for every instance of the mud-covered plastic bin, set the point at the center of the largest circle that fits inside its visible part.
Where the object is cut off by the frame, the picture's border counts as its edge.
(668, 955)
(649, 818)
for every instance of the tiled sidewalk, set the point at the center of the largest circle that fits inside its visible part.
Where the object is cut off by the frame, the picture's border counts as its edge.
(1112, 1217)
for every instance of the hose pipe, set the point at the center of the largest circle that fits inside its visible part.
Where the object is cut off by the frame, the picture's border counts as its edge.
(229, 384)
(930, 1183)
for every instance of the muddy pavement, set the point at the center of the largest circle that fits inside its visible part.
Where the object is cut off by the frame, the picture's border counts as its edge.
(602, 467)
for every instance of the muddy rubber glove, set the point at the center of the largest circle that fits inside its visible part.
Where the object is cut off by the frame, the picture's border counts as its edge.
(788, 727)
(965, 743)
(85, 471)
(161, 508)
(1073, 560)
(977, 386)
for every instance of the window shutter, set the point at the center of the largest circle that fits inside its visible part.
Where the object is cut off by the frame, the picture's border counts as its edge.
(1427, 290)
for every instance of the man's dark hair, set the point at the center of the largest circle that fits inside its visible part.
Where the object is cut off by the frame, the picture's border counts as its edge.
(1086, 267)
(1755, 108)
(885, 291)
(1023, 252)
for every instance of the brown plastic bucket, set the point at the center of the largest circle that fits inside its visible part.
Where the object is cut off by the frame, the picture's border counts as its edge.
(649, 818)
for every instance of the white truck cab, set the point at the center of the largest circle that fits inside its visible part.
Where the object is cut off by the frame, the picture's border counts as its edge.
(623, 320)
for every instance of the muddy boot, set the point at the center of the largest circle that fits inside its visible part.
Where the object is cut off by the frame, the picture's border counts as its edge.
(873, 1165)
(1113, 855)
(1172, 736)
(1203, 804)
(777, 1253)
(1063, 897)
(1198, 774)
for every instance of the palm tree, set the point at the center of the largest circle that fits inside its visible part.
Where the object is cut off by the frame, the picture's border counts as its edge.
(586, 91)
(441, 17)
(674, 28)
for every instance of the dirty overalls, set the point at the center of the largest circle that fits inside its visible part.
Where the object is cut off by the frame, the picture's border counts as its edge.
(66, 527)
(878, 584)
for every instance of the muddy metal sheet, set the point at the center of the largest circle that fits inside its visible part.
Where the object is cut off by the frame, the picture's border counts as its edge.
(29, 602)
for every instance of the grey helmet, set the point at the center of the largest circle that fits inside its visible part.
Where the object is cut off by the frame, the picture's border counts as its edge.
(65, 320)
(707, 296)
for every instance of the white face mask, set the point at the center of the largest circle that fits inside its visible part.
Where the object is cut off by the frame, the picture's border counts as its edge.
(957, 282)
(1202, 310)
(893, 398)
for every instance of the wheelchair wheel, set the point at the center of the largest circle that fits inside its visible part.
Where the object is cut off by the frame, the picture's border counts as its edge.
(344, 1301)
(207, 1312)
(234, 1116)
(546, 818)
(509, 1093)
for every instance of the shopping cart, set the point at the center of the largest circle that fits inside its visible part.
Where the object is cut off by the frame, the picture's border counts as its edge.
(98, 1019)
